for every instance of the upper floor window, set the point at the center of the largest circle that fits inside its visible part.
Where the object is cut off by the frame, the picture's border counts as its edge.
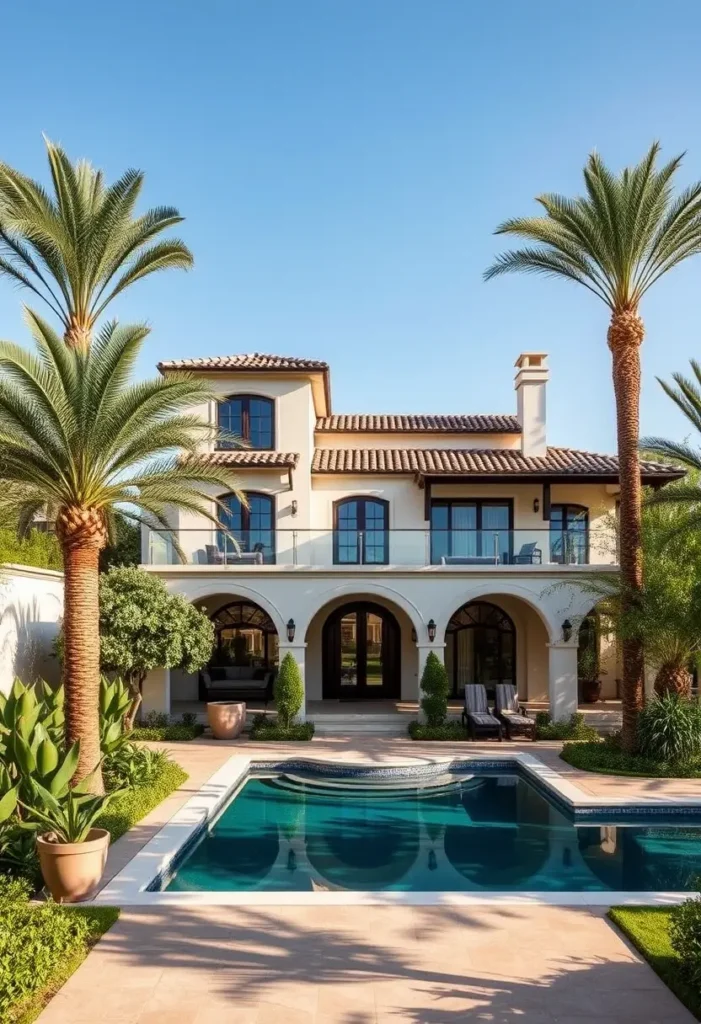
(471, 532)
(569, 534)
(250, 418)
(360, 534)
(248, 533)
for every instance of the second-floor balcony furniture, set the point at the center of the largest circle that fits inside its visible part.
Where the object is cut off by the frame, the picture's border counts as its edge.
(217, 556)
(248, 531)
(469, 560)
(530, 554)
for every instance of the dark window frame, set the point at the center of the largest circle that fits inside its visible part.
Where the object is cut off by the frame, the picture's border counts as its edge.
(246, 522)
(361, 499)
(478, 504)
(563, 531)
(451, 637)
(246, 400)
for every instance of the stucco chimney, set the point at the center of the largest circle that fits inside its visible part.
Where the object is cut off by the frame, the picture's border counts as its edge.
(531, 379)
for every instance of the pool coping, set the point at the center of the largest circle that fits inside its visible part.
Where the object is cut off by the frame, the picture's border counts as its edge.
(131, 885)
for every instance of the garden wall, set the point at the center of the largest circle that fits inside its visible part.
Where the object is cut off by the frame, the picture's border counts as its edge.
(31, 607)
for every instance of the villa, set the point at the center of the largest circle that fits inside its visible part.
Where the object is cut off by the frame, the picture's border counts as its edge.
(368, 541)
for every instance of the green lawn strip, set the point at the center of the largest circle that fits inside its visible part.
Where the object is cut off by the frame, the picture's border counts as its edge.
(167, 733)
(648, 930)
(600, 757)
(98, 920)
(132, 806)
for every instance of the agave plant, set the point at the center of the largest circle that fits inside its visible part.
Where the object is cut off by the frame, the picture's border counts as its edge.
(82, 246)
(115, 700)
(82, 443)
(617, 240)
(70, 817)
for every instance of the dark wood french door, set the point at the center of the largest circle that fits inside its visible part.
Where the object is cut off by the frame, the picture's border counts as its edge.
(361, 659)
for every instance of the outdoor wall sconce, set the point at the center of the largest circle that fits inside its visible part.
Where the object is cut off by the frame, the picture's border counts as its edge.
(431, 630)
(293, 506)
(413, 634)
(291, 630)
(567, 630)
(536, 505)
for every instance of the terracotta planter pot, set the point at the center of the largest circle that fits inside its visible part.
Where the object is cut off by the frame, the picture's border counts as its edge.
(226, 718)
(72, 871)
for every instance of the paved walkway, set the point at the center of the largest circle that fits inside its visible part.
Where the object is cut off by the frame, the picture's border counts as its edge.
(352, 965)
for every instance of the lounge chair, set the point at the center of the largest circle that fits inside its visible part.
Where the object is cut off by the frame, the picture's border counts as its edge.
(511, 713)
(476, 714)
(530, 554)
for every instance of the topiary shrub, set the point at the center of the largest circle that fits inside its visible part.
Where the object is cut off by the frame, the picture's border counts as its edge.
(669, 728)
(288, 691)
(435, 689)
(685, 936)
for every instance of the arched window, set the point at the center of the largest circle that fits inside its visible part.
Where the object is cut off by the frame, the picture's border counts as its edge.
(569, 534)
(253, 529)
(360, 532)
(251, 417)
(245, 635)
(480, 647)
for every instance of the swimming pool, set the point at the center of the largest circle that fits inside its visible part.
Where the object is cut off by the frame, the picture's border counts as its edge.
(451, 830)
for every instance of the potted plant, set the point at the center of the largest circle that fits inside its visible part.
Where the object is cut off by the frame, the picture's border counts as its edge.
(72, 851)
(588, 670)
(226, 718)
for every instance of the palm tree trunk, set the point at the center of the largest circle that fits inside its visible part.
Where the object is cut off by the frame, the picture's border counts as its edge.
(82, 535)
(625, 335)
(673, 678)
(77, 335)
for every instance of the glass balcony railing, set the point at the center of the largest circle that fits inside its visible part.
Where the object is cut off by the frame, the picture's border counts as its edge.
(250, 549)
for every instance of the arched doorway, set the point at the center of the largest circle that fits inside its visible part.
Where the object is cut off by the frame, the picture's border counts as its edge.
(480, 647)
(361, 653)
(245, 635)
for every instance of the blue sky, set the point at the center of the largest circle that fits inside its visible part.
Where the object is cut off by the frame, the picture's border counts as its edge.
(342, 165)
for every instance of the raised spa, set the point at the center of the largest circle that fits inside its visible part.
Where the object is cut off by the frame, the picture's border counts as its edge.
(451, 832)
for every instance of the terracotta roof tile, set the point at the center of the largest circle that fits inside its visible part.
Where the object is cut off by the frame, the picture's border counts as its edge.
(250, 458)
(415, 423)
(251, 361)
(478, 462)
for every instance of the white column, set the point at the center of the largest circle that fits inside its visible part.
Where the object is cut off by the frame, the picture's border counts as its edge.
(562, 680)
(424, 650)
(298, 652)
(156, 692)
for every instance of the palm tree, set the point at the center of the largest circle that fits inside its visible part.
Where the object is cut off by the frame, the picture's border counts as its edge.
(617, 240)
(78, 249)
(81, 441)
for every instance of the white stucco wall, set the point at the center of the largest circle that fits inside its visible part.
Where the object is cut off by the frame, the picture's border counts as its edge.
(31, 608)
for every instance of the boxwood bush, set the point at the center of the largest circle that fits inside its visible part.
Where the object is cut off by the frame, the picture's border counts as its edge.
(265, 729)
(446, 731)
(685, 936)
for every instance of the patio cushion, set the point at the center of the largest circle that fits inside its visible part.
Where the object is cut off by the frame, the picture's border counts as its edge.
(476, 698)
(506, 699)
(483, 718)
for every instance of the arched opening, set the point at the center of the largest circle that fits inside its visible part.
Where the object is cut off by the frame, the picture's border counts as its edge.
(361, 653)
(480, 647)
(245, 636)
(249, 417)
(360, 531)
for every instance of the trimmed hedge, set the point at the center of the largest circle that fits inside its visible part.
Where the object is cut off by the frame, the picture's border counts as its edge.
(609, 759)
(40, 947)
(439, 733)
(648, 928)
(126, 810)
(279, 733)
(166, 733)
(573, 729)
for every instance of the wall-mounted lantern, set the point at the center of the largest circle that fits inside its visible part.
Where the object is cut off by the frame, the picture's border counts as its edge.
(567, 631)
(414, 637)
(291, 630)
(431, 630)
(293, 506)
(536, 505)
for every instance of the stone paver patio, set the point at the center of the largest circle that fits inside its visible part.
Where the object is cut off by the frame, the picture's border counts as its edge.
(352, 965)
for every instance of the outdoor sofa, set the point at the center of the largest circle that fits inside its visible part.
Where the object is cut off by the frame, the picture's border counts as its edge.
(236, 682)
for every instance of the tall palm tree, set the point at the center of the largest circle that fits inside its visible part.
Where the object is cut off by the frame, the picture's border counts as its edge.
(616, 240)
(80, 247)
(78, 438)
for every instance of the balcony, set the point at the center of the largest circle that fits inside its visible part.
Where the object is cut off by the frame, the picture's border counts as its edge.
(372, 549)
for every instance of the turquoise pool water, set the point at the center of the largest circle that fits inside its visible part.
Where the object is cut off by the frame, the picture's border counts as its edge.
(481, 833)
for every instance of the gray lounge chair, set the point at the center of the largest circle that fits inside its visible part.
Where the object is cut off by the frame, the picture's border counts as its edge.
(530, 554)
(476, 714)
(512, 713)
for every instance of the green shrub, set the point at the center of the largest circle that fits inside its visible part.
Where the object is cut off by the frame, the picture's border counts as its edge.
(131, 766)
(38, 549)
(685, 936)
(40, 946)
(573, 729)
(669, 728)
(263, 729)
(447, 731)
(435, 689)
(609, 758)
(132, 806)
(167, 734)
(288, 691)
(155, 720)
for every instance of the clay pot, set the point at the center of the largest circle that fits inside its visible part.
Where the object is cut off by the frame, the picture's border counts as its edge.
(226, 718)
(72, 871)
